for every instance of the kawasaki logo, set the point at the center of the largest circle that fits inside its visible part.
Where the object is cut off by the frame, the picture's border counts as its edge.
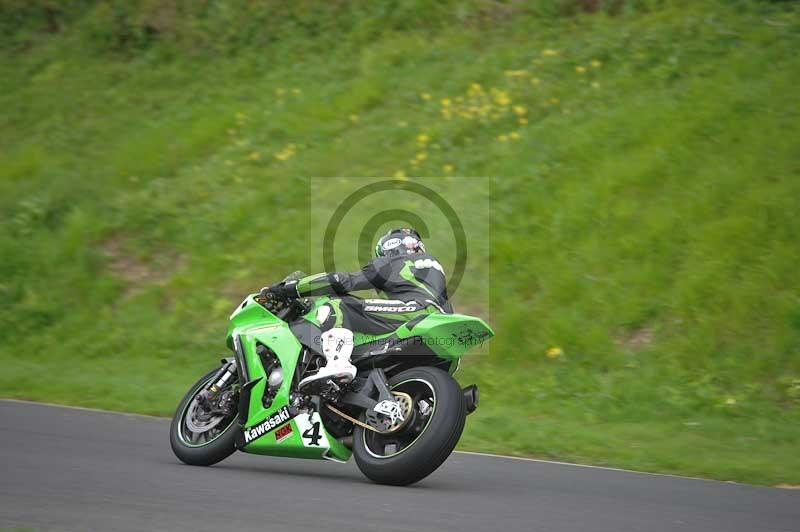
(273, 421)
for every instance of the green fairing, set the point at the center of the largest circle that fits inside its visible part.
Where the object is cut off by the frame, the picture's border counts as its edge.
(449, 336)
(254, 324)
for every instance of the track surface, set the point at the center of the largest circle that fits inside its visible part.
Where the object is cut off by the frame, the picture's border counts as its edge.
(67, 469)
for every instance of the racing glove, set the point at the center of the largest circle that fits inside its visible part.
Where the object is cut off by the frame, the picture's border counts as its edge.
(281, 290)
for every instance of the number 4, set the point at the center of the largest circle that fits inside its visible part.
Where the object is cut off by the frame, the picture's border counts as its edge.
(313, 434)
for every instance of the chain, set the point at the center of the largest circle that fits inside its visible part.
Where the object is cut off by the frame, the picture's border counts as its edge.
(353, 420)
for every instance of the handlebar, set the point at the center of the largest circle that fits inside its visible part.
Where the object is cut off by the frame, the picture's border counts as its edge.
(282, 308)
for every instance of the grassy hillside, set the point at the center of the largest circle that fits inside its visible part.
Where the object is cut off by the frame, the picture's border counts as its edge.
(158, 161)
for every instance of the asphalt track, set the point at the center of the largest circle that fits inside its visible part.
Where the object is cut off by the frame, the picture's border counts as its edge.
(71, 469)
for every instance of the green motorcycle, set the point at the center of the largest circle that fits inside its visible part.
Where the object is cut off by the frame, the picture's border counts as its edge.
(401, 417)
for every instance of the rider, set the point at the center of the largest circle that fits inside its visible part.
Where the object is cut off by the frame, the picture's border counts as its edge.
(401, 270)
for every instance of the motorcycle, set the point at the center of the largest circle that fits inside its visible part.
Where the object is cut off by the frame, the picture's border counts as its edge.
(400, 417)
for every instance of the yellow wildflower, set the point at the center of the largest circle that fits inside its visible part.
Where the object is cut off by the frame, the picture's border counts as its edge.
(580, 69)
(501, 97)
(513, 135)
(554, 352)
(448, 168)
(520, 110)
(425, 96)
(535, 81)
(353, 118)
(445, 102)
(547, 52)
(554, 101)
(516, 73)
(296, 91)
(502, 138)
(522, 121)
(286, 153)
(421, 156)
(400, 174)
(730, 401)
(254, 156)
(422, 138)
(474, 88)
(596, 64)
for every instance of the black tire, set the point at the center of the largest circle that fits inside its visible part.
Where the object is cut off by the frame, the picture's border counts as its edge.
(216, 450)
(431, 447)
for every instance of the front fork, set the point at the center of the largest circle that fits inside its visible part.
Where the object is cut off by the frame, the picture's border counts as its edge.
(224, 375)
(207, 397)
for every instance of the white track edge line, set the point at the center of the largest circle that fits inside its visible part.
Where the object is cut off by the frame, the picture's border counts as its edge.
(473, 453)
(83, 408)
(606, 468)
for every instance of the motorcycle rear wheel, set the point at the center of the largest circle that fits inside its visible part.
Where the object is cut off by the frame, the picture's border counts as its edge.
(411, 454)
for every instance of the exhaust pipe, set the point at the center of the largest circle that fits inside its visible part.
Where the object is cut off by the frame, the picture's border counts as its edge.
(471, 397)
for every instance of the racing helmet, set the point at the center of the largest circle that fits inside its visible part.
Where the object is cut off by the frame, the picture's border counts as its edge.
(403, 241)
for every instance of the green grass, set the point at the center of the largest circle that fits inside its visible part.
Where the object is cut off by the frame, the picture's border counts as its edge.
(643, 215)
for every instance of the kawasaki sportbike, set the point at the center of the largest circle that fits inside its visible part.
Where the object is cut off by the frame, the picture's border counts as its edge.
(401, 417)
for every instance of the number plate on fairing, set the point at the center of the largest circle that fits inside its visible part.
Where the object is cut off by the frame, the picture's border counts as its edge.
(311, 431)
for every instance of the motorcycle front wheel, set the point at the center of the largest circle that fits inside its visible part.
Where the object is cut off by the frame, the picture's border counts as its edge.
(199, 436)
(434, 423)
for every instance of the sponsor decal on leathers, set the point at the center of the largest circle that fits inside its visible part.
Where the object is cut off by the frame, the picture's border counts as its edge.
(421, 264)
(272, 422)
(386, 308)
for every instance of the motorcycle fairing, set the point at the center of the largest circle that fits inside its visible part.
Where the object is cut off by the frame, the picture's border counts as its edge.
(252, 324)
(447, 336)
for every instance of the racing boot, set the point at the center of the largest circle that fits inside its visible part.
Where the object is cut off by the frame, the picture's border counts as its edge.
(337, 345)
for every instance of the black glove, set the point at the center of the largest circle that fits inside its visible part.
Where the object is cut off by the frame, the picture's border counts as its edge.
(281, 290)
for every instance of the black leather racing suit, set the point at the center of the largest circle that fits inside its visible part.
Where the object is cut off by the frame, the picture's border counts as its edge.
(409, 285)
